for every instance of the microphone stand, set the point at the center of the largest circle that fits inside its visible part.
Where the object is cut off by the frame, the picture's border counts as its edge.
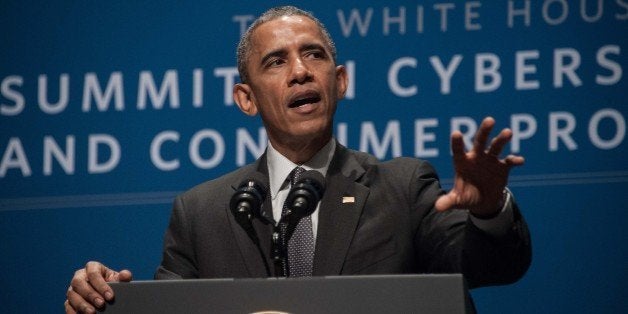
(245, 204)
(279, 252)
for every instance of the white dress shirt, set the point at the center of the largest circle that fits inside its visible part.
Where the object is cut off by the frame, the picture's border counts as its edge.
(279, 167)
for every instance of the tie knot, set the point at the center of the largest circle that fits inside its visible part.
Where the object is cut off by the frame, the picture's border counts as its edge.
(295, 174)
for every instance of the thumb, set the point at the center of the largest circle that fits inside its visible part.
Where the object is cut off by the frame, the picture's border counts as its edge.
(445, 202)
(125, 276)
(114, 276)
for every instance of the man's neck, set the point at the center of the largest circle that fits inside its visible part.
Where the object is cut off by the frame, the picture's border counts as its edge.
(300, 152)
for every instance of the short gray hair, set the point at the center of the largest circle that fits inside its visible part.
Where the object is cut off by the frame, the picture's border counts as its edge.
(244, 46)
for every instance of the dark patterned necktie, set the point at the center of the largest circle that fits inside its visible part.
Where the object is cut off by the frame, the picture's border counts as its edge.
(301, 244)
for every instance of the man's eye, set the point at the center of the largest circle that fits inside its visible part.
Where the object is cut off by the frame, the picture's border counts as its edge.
(275, 62)
(316, 54)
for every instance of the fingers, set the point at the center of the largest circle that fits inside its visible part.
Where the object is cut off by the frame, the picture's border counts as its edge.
(445, 202)
(457, 144)
(96, 275)
(481, 137)
(75, 303)
(68, 308)
(89, 289)
(81, 295)
(498, 143)
(124, 276)
(513, 160)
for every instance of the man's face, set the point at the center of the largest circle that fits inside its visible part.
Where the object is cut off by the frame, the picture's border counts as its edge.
(293, 80)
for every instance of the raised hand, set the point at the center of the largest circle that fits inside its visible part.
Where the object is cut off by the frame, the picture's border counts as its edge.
(480, 175)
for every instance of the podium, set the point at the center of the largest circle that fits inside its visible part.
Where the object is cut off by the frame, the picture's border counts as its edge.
(336, 294)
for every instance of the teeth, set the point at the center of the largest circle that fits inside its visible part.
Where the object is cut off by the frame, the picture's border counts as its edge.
(304, 101)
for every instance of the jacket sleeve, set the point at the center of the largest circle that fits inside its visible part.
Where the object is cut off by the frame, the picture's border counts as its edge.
(178, 261)
(449, 242)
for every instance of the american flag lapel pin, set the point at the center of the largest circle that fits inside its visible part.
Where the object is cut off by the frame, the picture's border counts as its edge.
(348, 199)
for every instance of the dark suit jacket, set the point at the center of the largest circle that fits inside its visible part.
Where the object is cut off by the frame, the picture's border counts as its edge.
(391, 228)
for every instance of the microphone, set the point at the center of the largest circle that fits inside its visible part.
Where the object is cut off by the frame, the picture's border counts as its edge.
(304, 196)
(246, 204)
(247, 201)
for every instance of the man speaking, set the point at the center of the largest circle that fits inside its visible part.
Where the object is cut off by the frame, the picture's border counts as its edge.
(373, 217)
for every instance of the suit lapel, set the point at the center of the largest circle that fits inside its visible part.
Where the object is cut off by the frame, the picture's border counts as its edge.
(250, 254)
(340, 211)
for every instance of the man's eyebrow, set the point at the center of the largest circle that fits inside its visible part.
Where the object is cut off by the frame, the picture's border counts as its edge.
(313, 46)
(281, 52)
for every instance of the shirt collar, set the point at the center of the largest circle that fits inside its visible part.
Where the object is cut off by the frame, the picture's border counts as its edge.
(279, 167)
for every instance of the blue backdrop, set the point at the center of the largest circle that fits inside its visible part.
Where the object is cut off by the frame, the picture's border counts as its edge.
(110, 108)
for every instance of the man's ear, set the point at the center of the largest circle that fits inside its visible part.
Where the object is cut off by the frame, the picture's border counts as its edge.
(342, 81)
(243, 97)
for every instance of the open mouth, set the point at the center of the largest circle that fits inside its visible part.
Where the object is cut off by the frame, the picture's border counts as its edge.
(305, 100)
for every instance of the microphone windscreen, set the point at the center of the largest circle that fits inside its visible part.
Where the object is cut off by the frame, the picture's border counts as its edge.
(315, 178)
(260, 180)
(248, 198)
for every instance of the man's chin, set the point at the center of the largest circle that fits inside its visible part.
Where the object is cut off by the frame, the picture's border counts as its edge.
(318, 128)
(305, 135)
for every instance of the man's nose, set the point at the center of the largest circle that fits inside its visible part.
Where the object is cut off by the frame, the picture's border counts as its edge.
(300, 72)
